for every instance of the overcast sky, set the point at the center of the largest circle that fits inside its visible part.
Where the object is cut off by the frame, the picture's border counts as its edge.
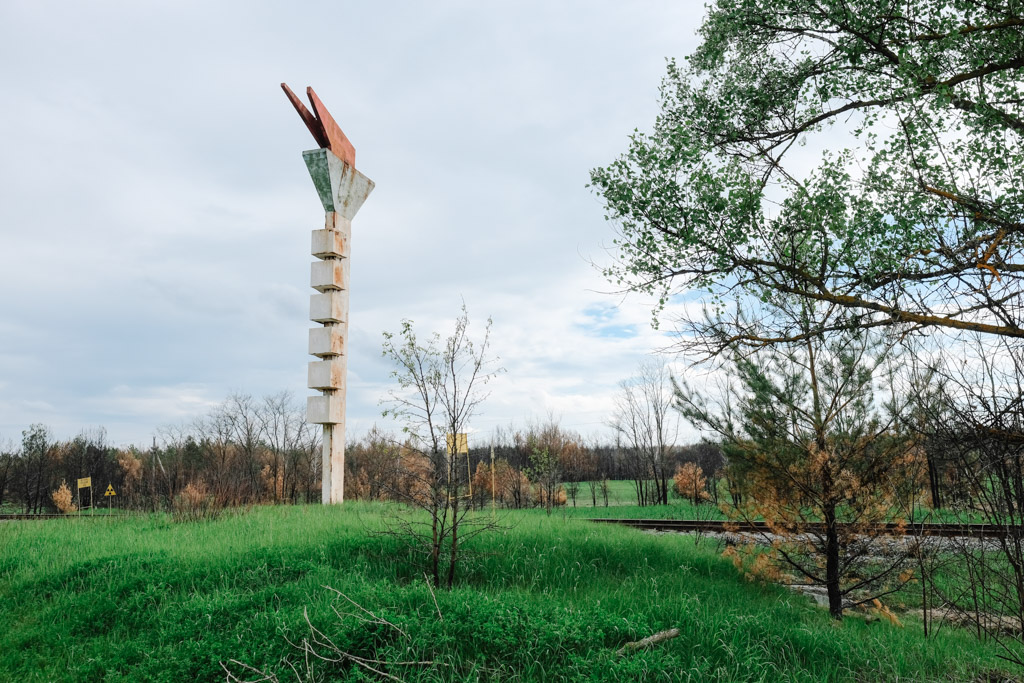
(155, 213)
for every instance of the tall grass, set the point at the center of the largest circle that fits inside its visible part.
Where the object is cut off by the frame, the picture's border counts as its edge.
(546, 598)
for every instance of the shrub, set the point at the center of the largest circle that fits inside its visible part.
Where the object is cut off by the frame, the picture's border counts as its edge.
(558, 499)
(689, 482)
(194, 504)
(62, 498)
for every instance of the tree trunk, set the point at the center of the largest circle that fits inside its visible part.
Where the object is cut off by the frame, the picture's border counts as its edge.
(664, 477)
(835, 597)
(933, 481)
(452, 559)
(435, 548)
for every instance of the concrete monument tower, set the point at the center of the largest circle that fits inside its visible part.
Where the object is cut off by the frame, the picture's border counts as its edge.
(342, 191)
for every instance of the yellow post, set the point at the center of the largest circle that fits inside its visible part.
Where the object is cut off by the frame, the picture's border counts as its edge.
(459, 443)
(84, 482)
(493, 509)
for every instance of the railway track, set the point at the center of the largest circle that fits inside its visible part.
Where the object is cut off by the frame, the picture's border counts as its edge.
(42, 517)
(721, 526)
(708, 525)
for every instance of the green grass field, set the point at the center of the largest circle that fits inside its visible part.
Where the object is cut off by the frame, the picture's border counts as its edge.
(143, 598)
(620, 492)
(622, 503)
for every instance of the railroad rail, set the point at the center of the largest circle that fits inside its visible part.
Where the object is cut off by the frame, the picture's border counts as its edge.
(22, 516)
(892, 529)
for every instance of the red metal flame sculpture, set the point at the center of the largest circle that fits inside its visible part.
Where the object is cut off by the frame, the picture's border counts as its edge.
(322, 125)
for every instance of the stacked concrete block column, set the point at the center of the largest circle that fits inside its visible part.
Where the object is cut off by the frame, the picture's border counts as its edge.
(342, 191)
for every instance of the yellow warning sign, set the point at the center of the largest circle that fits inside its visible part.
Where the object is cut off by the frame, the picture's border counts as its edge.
(110, 490)
(85, 483)
(458, 443)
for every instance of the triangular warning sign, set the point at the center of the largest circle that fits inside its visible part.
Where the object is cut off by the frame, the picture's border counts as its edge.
(110, 490)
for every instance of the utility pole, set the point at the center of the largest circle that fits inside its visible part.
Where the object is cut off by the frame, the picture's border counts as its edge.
(493, 490)
(342, 190)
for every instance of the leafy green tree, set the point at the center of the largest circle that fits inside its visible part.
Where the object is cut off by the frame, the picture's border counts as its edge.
(553, 456)
(914, 213)
(440, 387)
(545, 471)
(33, 467)
(7, 460)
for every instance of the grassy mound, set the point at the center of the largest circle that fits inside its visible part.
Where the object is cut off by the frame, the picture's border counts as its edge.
(546, 599)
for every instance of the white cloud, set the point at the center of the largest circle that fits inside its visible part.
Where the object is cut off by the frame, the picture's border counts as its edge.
(156, 217)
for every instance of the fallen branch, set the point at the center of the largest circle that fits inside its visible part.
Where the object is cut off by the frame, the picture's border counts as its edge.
(431, 589)
(374, 619)
(649, 640)
(264, 677)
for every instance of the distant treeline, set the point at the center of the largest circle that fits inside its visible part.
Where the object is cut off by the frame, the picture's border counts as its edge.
(249, 450)
(244, 451)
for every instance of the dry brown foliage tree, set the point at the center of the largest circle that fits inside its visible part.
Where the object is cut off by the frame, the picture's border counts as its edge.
(814, 456)
(483, 492)
(62, 499)
(131, 469)
(194, 503)
(513, 485)
(689, 482)
(509, 487)
(374, 468)
(550, 499)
